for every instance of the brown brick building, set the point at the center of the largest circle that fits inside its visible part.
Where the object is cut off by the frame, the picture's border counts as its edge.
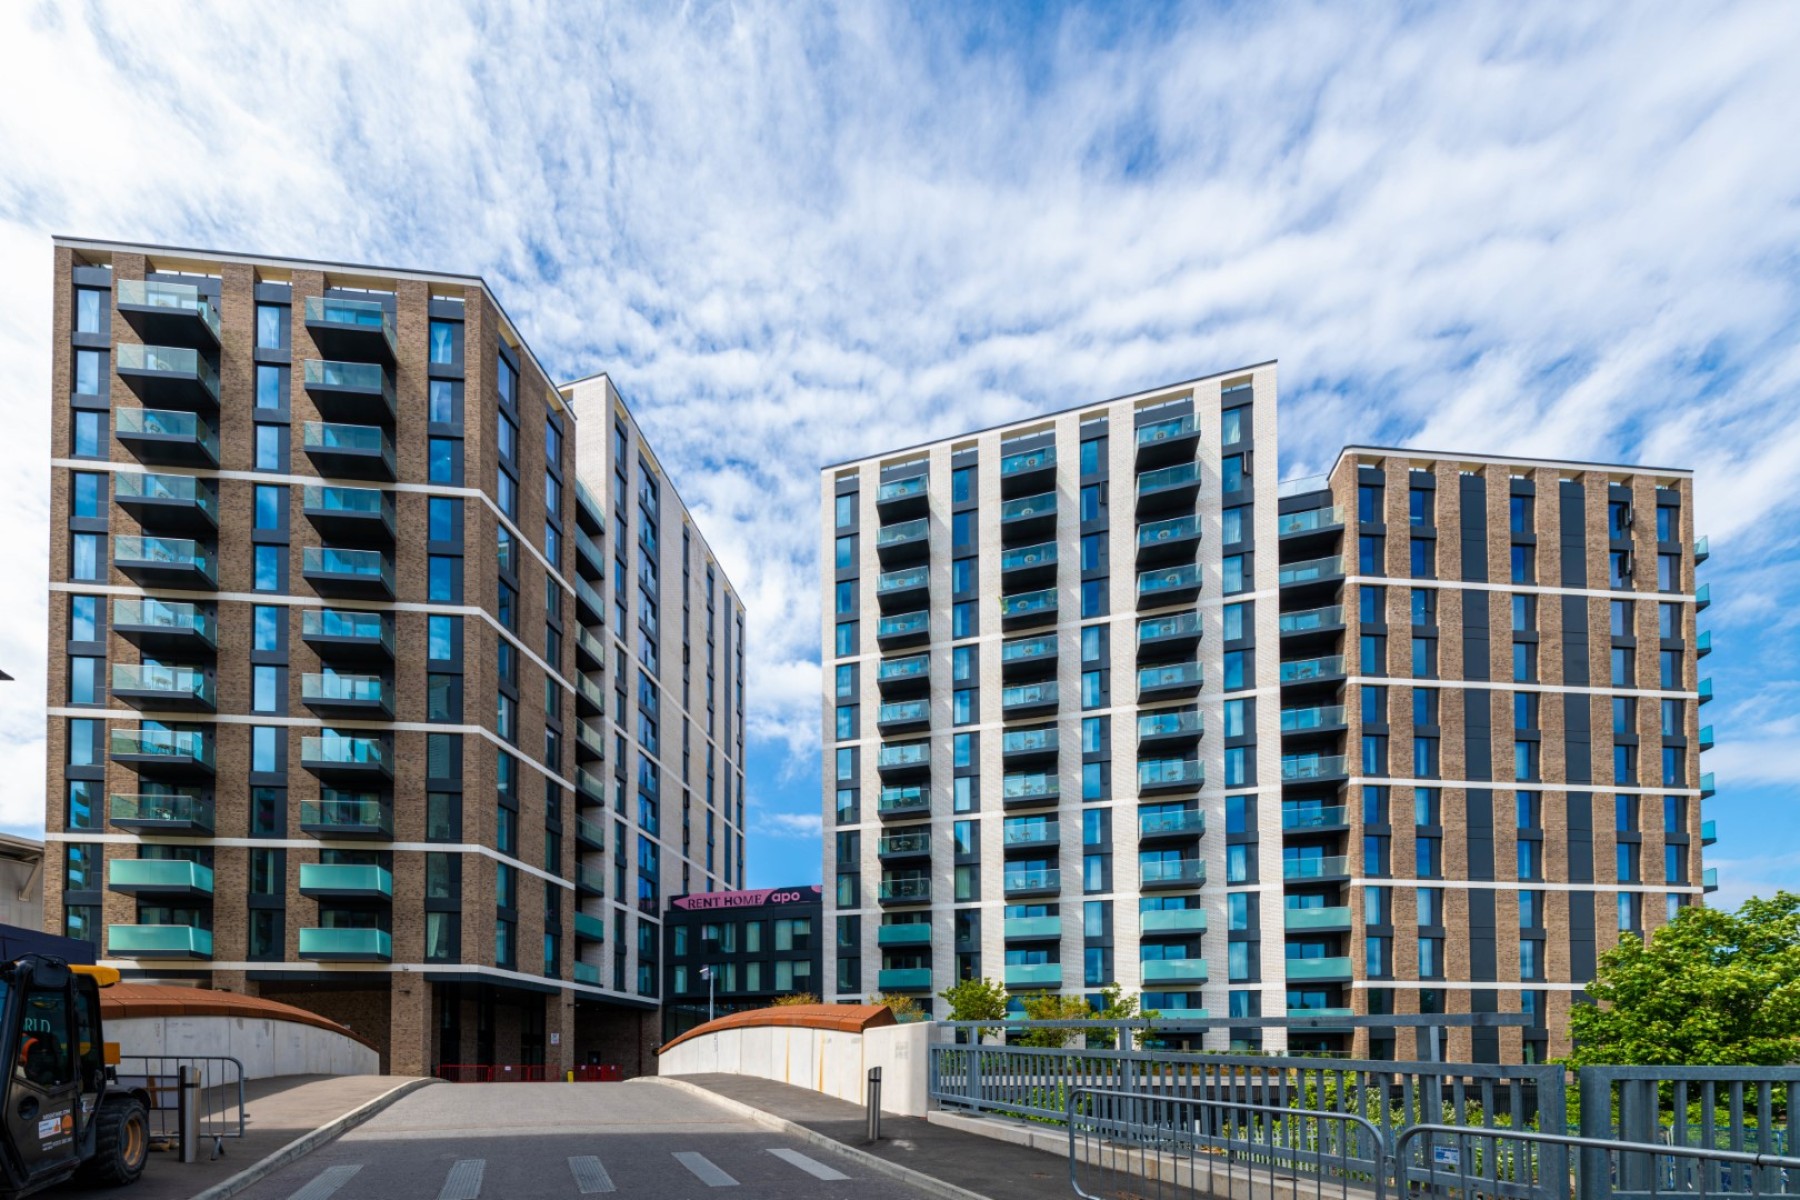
(384, 671)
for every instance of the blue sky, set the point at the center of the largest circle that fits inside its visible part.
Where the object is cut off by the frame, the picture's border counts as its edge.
(796, 234)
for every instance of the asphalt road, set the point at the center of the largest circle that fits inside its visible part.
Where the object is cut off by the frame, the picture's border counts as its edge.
(541, 1140)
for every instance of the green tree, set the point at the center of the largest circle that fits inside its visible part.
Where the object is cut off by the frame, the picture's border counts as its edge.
(1051, 1006)
(906, 1008)
(1117, 1007)
(1712, 988)
(794, 998)
(976, 1000)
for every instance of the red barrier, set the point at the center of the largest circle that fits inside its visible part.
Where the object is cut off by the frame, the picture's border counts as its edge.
(599, 1073)
(465, 1073)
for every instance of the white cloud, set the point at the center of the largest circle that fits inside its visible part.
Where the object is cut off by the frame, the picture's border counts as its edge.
(788, 825)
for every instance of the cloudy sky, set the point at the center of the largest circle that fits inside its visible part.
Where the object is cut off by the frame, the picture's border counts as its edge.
(795, 234)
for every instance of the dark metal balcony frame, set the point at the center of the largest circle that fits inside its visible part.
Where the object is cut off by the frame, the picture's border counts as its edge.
(170, 325)
(160, 387)
(900, 686)
(910, 597)
(1046, 701)
(155, 449)
(347, 585)
(1028, 568)
(1176, 546)
(1175, 446)
(1029, 754)
(353, 462)
(1177, 689)
(156, 573)
(1031, 471)
(900, 640)
(350, 403)
(1033, 523)
(381, 709)
(905, 551)
(353, 528)
(912, 848)
(910, 503)
(1025, 668)
(163, 700)
(381, 831)
(919, 720)
(187, 518)
(348, 341)
(1166, 500)
(350, 648)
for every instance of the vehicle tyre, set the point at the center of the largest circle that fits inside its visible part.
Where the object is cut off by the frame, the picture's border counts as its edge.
(121, 1141)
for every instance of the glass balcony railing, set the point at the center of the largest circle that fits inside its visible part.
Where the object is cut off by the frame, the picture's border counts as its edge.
(1033, 975)
(328, 310)
(1308, 520)
(1702, 550)
(1308, 620)
(903, 580)
(913, 933)
(359, 815)
(590, 833)
(1031, 649)
(1320, 867)
(1310, 571)
(904, 800)
(590, 878)
(904, 625)
(174, 745)
(173, 553)
(1047, 880)
(1709, 879)
(1029, 604)
(1026, 557)
(1027, 460)
(1312, 816)
(1026, 508)
(355, 439)
(916, 666)
(1709, 832)
(1168, 478)
(1313, 767)
(1171, 430)
(340, 623)
(343, 751)
(1172, 870)
(904, 979)
(1172, 920)
(158, 941)
(910, 754)
(171, 360)
(1030, 695)
(589, 595)
(903, 711)
(1703, 597)
(349, 501)
(1039, 786)
(170, 810)
(1027, 741)
(903, 489)
(1031, 928)
(1187, 821)
(588, 736)
(591, 786)
(1172, 675)
(356, 376)
(1299, 720)
(1031, 832)
(172, 489)
(185, 684)
(158, 875)
(166, 423)
(906, 889)
(1171, 772)
(1304, 669)
(344, 689)
(1176, 625)
(1310, 920)
(589, 927)
(903, 531)
(176, 297)
(364, 945)
(1301, 484)
(1174, 970)
(1300, 969)
(1184, 578)
(371, 565)
(168, 615)
(1707, 740)
(1159, 532)
(348, 879)
(908, 842)
(1707, 786)
(591, 691)
(1173, 723)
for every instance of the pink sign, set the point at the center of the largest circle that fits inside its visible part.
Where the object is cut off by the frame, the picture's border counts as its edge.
(753, 899)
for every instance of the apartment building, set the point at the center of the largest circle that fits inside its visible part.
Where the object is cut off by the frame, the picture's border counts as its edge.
(1106, 703)
(424, 785)
(735, 951)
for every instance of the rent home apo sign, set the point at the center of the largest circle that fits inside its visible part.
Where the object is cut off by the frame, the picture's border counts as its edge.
(751, 899)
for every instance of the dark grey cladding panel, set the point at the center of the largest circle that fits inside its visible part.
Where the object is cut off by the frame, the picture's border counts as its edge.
(1476, 644)
(1575, 640)
(1480, 810)
(1578, 738)
(1573, 507)
(1474, 525)
(1581, 936)
(1478, 733)
(1581, 837)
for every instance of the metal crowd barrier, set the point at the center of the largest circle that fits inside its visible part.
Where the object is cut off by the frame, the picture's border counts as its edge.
(221, 1094)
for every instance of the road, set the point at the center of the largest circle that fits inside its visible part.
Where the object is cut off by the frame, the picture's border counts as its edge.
(552, 1140)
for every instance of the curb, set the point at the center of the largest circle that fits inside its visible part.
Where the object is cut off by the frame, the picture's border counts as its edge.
(929, 1184)
(306, 1143)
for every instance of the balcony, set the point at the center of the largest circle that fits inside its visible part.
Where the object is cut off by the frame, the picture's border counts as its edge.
(1318, 970)
(1168, 489)
(162, 437)
(1031, 929)
(168, 503)
(166, 812)
(357, 392)
(1027, 565)
(338, 573)
(590, 608)
(1310, 528)
(1171, 872)
(1703, 597)
(590, 560)
(1171, 922)
(169, 314)
(1313, 817)
(346, 945)
(1028, 519)
(354, 329)
(1316, 920)
(909, 890)
(1319, 719)
(904, 759)
(168, 376)
(904, 676)
(346, 881)
(1028, 657)
(1028, 745)
(590, 880)
(1709, 880)
(590, 928)
(1028, 608)
(590, 655)
(157, 562)
(1706, 737)
(1326, 670)
(1703, 643)
(1174, 970)
(590, 834)
(154, 687)
(590, 746)
(1167, 636)
(1706, 690)
(1028, 700)
(906, 542)
(904, 590)
(1709, 832)
(903, 499)
(165, 626)
(1032, 883)
(1032, 833)
(911, 801)
(1323, 1019)
(1169, 682)
(353, 759)
(586, 973)
(158, 941)
(1028, 471)
(1312, 577)
(350, 451)
(1316, 867)
(904, 843)
(356, 515)
(590, 787)
(1027, 789)
(589, 515)
(159, 877)
(1188, 823)
(903, 630)
(1707, 788)
(1176, 539)
(344, 634)
(1168, 585)
(1169, 727)
(332, 695)
(915, 933)
(1033, 975)
(174, 752)
(1174, 439)
(1313, 768)
(903, 716)
(347, 815)
(1171, 775)
(1702, 551)
(1305, 625)
(590, 698)
(904, 979)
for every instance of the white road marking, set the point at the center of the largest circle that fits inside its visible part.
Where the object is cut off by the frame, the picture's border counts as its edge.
(816, 1169)
(327, 1182)
(590, 1176)
(464, 1180)
(703, 1169)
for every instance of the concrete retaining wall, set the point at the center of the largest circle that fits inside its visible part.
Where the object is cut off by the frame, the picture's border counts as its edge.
(821, 1060)
(265, 1046)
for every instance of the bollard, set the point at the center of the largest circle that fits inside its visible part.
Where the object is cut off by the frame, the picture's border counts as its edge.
(874, 1097)
(188, 1112)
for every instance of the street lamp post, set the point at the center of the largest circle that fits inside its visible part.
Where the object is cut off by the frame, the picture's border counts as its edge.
(706, 973)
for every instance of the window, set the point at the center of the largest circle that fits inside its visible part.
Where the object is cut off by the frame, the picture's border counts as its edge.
(1525, 761)
(846, 638)
(268, 564)
(1092, 501)
(442, 514)
(1424, 607)
(83, 618)
(1233, 567)
(268, 386)
(1369, 555)
(1235, 714)
(1423, 557)
(440, 638)
(1093, 598)
(440, 585)
(1524, 614)
(271, 320)
(1525, 662)
(86, 434)
(263, 679)
(962, 619)
(270, 501)
(444, 455)
(846, 552)
(1231, 525)
(1234, 670)
(84, 556)
(88, 306)
(87, 373)
(443, 342)
(962, 484)
(1231, 473)
(1624, 714)
(1524, 566)
(83, 673)
(1420, 505)
(262, 749)
(1618, 568)
(845, 511)
(84, 501)
(1624, 667)
(268, 448)
(1236, 628)
(1368, 503)
(1665, 523)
